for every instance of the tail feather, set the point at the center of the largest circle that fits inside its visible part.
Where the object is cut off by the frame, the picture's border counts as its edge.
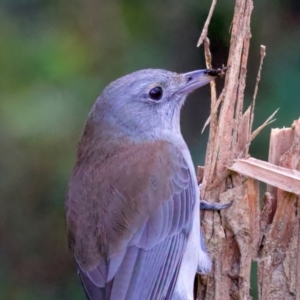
(92, 292)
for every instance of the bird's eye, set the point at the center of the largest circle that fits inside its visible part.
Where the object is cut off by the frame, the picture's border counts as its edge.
(156, 93)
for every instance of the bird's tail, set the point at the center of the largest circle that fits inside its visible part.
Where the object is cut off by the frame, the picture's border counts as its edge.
(93, 292)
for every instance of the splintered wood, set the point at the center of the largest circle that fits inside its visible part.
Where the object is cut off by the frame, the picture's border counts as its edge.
(279, 252)
(232, 240)
(247, 232)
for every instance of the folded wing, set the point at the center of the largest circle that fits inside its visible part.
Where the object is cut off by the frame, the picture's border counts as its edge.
(128, 231)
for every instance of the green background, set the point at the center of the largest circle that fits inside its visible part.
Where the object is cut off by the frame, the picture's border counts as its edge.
(56, 57)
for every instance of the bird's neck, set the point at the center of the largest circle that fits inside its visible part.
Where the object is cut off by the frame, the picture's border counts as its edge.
(103, 140)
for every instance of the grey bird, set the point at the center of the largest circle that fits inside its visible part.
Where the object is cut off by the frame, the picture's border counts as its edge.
(132, 211)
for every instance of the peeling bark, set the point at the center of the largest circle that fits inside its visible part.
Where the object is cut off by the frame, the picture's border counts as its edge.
(269, 232)
(279, 255)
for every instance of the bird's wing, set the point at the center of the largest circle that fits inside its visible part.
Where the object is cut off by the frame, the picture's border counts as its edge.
(129, 241)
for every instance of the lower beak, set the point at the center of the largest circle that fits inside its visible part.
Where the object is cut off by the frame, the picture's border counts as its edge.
(196, 79)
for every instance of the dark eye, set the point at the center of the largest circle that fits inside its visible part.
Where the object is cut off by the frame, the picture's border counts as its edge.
(156, 93)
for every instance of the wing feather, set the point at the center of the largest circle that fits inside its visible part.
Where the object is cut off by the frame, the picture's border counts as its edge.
(143, 232)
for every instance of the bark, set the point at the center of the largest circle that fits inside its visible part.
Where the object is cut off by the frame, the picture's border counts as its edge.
(247, 232)
(279, 253)
(232, 237)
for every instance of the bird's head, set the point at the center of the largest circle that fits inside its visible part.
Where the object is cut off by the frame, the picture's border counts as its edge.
(146, 104)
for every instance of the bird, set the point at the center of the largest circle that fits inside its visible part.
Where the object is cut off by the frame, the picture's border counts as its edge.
(132, 208)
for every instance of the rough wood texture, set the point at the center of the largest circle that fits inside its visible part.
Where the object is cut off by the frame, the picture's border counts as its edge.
(275, 176)
(245, 232)
(279, 255)
(232, 239)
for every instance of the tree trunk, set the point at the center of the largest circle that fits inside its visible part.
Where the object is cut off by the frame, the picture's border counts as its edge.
(245, 232)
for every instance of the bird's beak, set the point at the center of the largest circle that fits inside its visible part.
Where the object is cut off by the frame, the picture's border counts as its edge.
(196, 79)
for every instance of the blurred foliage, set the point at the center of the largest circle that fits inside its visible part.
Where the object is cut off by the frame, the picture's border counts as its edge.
(56, 57)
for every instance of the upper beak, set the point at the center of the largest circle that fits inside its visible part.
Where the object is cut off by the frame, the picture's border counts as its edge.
(196, 79)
